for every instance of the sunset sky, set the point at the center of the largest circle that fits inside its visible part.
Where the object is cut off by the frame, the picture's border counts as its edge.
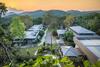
(29, 5)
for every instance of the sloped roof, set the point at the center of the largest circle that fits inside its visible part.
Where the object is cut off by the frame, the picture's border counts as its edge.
(69, 51)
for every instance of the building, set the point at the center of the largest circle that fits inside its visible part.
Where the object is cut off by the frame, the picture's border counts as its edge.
(61, 33)
(90, 46)
(31, 35)
(36, 27)
(69, 51)
(88, 42)
(80, 31)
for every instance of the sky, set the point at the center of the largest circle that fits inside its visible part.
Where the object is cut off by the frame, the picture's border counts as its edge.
(30, 5)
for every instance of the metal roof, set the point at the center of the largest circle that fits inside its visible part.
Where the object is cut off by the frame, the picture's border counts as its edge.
(61, 31)
(92, 45)
(81, 31)
(31, 34)
(36, 27)
(69, 51)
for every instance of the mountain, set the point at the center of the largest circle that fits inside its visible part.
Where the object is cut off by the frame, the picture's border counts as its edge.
(77, 13)
(57, 12)
(12, 11)
(39, 13)
(35, 14)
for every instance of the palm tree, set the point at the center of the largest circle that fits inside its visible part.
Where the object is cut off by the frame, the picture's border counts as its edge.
(3, 9)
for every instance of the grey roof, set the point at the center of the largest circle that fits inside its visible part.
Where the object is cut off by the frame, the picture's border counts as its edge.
(69, 51)
(36, 27)
(93, 45)
(61, 31)
(82, 31)
(31, 34)
(95, 50)
(60, 41)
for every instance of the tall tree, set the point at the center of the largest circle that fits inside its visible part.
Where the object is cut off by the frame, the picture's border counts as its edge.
(47, 18)
(27, 20)
(17, 27)
(69, 20)
(4, 37)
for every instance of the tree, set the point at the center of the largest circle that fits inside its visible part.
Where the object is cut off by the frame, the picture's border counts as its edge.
(4, 36)
(68, 36)
(37, 20)
(27, 20)
(3, 9)
(47, 18)
(5, 41)
(69, 20)
(17, 27)
(88, 64)
(46, 61)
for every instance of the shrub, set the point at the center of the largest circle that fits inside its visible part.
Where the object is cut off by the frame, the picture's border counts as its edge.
(69, 36)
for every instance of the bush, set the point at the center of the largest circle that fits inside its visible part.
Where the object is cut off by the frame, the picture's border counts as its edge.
(69, 36)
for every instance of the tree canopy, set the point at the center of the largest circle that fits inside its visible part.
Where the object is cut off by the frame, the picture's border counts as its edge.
(69, 20)
(17, 27)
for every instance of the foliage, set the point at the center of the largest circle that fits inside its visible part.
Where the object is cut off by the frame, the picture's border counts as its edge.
(66, 62)
(52, 21)
(88, 64)
(69, 36)
(17, 27)
(27, 20)
(91, 21)
(54, 50)
(5, 38)
(3, 9)
(69, 20)
(37, 20)
(44, 61)
(54, 33)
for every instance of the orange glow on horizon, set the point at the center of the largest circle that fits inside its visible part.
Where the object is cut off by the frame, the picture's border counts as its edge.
(29, 5)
